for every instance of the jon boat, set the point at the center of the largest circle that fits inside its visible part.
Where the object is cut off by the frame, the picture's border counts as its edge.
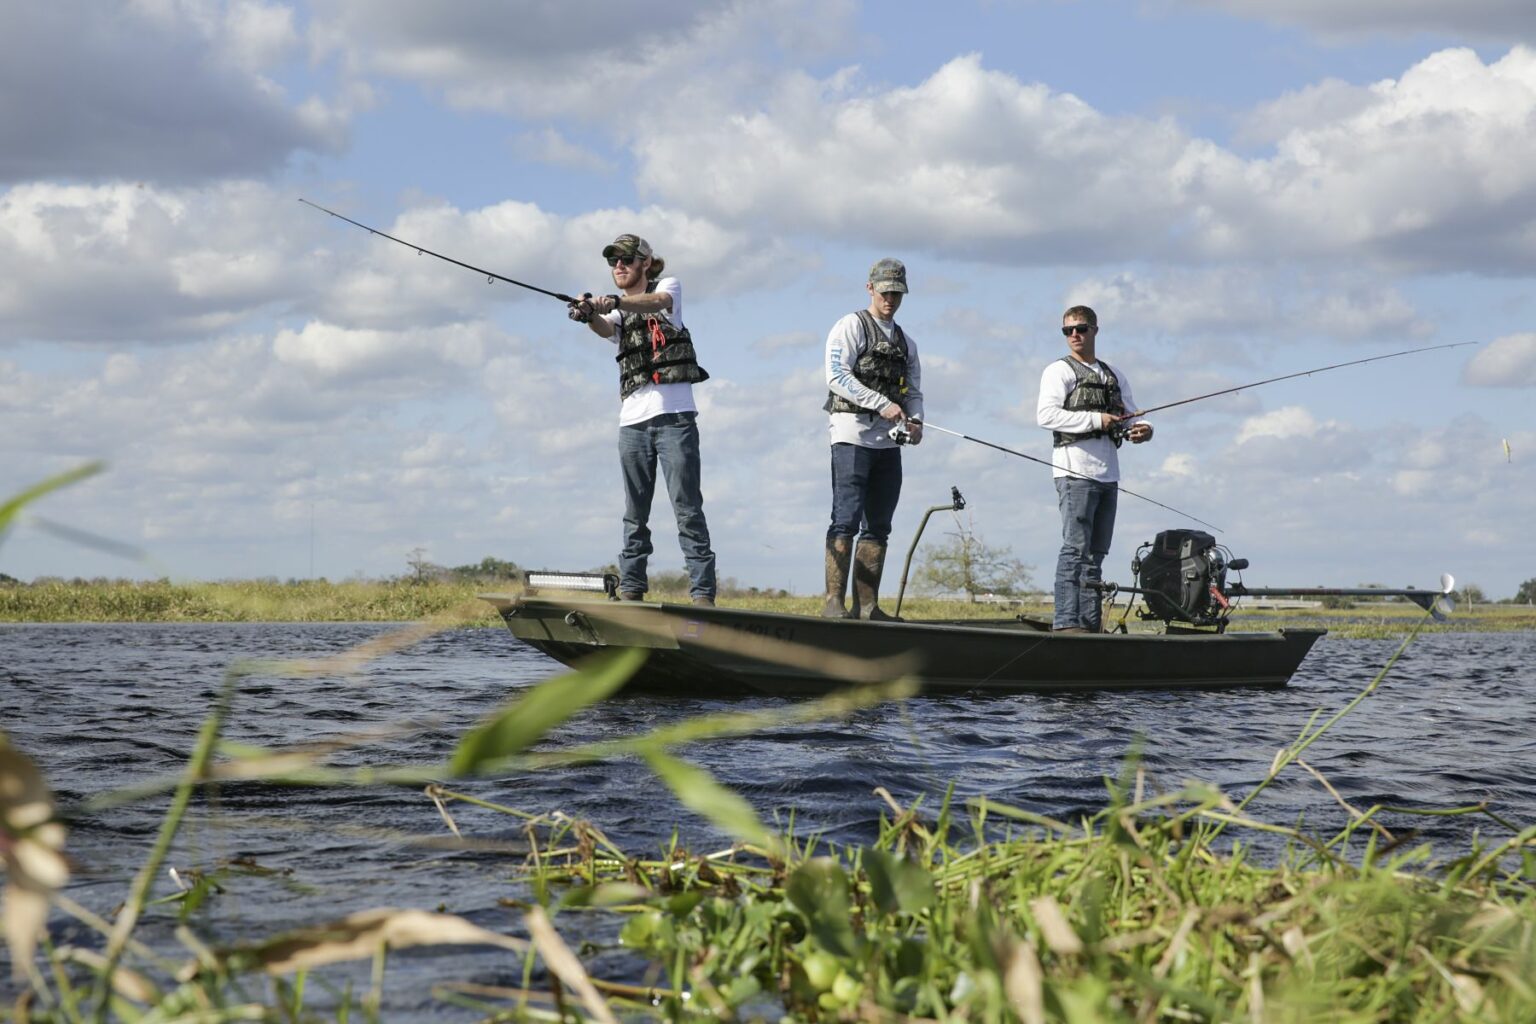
(1180, 576)
(720, 651)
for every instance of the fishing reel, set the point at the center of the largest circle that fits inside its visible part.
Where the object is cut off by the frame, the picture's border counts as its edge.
(900, 434)
(581, 310)
(1182, 576)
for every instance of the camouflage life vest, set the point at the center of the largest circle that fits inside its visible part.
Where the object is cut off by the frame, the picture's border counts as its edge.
(1090, 394)
(882, 367)
(654, 351)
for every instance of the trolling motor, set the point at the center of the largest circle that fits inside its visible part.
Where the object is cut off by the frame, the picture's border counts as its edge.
(1181, 576)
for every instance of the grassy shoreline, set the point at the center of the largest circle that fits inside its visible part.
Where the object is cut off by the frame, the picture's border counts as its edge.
(406, 601)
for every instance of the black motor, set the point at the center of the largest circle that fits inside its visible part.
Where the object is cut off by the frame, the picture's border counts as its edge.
(1183, 574)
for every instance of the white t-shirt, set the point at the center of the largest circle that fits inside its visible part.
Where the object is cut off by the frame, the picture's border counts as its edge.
(1096, 458)
(652, 400)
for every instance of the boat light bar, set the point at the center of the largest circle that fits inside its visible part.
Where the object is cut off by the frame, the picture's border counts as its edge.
(593, 582)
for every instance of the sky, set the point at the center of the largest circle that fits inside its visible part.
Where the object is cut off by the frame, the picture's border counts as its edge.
(1241, 189)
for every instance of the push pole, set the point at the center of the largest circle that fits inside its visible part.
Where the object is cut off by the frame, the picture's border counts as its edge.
(956, 503)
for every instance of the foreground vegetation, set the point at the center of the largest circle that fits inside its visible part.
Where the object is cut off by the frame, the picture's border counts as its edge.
(410, 599)
(1155, 909)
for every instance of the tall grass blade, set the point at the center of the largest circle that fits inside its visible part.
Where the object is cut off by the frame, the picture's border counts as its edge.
(525, 722)
(12, 506)
(701, 793)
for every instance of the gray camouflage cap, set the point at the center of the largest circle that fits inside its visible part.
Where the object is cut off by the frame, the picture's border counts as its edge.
(888, 275)
(627, 245)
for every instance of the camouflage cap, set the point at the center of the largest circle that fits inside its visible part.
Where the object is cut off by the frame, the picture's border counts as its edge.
(627, 245)
(888, 275)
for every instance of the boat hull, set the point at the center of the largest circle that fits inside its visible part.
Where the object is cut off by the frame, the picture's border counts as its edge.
(717, 651)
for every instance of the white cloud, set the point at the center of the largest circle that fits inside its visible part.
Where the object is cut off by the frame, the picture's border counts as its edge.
(1292, 421)
(83, 262)
(1509, 362)
(1423, 171)
(347, 356)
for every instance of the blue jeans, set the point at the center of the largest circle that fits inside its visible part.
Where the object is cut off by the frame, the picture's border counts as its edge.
(1087, 526)
(673, 440)
(866, 483)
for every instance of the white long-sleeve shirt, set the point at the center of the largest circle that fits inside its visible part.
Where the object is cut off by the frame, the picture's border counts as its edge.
(845, 344)
(1096, 458)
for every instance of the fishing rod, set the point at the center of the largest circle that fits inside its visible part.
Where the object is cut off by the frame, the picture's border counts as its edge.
(1288, 376)
(898, 435)
(489, 276)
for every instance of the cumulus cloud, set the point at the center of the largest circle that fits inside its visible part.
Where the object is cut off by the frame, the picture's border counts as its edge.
(165, 93)
(1291, 421)
(105, 263)
(1509, 362)
(1424, 171)
(110, 262)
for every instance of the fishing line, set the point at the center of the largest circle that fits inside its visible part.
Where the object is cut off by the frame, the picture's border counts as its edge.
(930, 425)
(1288, 376)
(489, 275)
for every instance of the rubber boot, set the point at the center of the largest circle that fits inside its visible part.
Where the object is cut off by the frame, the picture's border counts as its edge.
(868, 564)
(839, 555)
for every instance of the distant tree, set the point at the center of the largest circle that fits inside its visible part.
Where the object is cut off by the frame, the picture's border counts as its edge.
(1527, 592)
(488, 569)
(966, 564)
(1472, 594)
(422, 571)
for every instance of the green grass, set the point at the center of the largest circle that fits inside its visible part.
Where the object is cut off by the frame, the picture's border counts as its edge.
(408, 600)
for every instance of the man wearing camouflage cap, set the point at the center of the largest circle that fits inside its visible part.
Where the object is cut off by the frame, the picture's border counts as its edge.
(874, 383)
(657, 415)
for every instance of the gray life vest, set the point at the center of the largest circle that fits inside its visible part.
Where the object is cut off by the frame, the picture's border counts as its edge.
(882, 367)
(1090, 394)
(652, 350)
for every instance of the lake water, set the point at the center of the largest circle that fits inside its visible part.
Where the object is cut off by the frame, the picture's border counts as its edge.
(101, 707)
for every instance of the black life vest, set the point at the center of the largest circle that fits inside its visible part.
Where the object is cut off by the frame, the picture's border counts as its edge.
(652, 350)
(1090, 394)
(882, 367)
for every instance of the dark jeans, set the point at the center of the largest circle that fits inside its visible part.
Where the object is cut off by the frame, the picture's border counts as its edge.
(673, 440)
(1087, 526)
(866, 483)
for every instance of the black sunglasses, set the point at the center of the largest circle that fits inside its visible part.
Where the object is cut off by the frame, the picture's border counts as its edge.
(626, 260)
(1072, 329)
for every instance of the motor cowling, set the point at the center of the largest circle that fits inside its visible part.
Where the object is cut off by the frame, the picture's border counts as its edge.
(1183, 574)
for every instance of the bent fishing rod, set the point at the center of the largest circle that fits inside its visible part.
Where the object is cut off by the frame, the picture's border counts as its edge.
(489, 275)
(897, 435)
(1288, 376)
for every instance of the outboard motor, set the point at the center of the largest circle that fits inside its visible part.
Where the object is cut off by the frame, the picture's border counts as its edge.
(1183, 576)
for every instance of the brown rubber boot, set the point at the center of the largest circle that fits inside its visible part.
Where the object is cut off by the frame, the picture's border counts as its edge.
(839, 554)
(868, 565)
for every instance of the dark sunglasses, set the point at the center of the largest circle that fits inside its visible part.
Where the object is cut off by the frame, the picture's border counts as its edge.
(626, 260)
(1072, 329)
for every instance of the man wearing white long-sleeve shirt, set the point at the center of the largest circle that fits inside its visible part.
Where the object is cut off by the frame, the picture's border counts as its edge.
(1081, 401)
(874, 383)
